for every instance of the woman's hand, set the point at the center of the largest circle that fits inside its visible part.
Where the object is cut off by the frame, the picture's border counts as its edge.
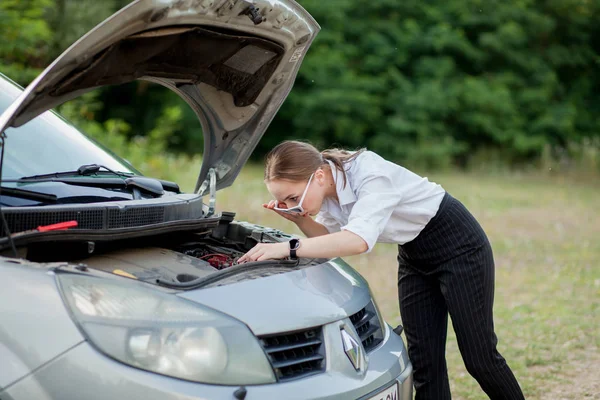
(337, 244)
(296, 218)
(266, 251)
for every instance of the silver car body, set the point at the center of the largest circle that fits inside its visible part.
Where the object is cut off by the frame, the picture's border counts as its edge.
(45, 353)
(44, 356)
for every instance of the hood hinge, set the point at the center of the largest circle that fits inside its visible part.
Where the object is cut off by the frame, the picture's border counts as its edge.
(211, 180)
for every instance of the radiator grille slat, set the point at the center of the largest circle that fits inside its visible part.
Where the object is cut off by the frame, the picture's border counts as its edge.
(368, 330)
(295, 354)
(298, 360)
(366, 317)
(284, 347)
(368, 327)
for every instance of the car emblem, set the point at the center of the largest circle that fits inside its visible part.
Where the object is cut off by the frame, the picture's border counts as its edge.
(352, 349)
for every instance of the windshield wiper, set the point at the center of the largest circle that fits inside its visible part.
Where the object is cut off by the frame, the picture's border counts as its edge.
(28, 194)
(142, 182)
(84, 170)
(83, 177)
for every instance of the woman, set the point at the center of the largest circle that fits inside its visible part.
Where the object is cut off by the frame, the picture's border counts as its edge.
(445, 260)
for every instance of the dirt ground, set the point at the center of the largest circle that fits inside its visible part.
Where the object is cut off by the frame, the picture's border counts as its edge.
(580, 380)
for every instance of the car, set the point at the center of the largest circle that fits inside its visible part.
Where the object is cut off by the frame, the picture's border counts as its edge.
(118, 285)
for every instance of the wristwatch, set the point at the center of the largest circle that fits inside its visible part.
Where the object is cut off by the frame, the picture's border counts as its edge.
(294, 245)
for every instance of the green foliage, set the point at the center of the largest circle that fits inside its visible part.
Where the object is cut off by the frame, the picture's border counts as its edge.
(71, 19)
(428, 84)
(147, 153)
(431, 83)
(34, 32)
(25, 36)
(139, 103)
(581, 160)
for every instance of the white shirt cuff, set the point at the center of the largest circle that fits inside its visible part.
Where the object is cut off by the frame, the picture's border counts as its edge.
(367, 231)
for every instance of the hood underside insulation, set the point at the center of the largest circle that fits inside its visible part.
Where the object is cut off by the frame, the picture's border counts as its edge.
(239, 65)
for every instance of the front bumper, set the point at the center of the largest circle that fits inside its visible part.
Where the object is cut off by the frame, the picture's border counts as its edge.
(84, 373)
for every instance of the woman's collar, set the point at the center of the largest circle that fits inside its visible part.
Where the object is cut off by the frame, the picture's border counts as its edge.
(345, 194)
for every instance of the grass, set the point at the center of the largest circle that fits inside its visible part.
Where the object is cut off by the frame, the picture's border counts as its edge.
(545, 233)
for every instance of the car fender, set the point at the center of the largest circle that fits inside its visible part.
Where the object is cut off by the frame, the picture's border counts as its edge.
(36, 327)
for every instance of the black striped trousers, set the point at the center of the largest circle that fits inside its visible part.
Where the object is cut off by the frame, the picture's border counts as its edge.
(449, 269)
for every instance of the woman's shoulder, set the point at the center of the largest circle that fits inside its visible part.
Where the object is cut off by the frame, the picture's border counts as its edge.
(368, 159)
(369, 164)
(363, 165)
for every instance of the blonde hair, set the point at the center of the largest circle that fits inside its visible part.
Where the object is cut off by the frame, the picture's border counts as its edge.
(295, 161)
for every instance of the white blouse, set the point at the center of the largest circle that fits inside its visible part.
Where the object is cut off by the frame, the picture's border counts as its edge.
(381, 202)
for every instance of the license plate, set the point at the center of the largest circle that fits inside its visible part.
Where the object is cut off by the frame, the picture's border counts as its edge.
(390, 393)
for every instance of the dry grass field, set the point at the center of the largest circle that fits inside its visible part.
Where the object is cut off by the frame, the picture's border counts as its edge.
(546, 238)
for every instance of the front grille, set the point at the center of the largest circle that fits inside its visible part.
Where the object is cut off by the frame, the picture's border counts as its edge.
(295, 354)
(367, 325)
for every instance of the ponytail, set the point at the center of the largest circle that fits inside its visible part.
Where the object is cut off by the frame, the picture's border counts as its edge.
(339, 157)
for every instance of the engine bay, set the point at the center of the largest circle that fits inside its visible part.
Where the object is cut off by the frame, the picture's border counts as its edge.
(180, 259)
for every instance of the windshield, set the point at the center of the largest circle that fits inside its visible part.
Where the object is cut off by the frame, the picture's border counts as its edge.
(48, 144)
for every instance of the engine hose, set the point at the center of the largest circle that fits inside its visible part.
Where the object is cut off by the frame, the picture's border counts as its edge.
(225, 273)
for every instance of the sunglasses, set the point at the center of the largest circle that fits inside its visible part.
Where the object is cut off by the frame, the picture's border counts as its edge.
(298, 208)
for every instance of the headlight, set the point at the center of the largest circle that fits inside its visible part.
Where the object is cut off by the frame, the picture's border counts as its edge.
(162, 333)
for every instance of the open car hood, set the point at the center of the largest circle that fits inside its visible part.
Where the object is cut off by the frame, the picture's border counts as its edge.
(233, 61)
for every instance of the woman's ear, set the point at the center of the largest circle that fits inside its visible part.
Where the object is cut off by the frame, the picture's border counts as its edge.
(320, 176)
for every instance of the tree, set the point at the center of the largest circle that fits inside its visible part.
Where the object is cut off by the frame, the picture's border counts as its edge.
(26, 35)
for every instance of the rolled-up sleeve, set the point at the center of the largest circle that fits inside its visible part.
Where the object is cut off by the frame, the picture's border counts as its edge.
(376, 200)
